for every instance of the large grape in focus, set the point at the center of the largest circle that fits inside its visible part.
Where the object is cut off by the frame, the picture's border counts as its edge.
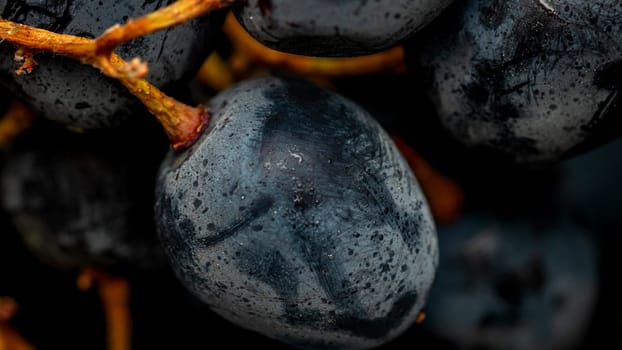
(295, 216)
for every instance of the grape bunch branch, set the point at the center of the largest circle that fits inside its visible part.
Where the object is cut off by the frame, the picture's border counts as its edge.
(182, 123)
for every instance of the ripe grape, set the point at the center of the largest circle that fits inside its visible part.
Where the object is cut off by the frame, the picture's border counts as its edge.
(78, 95)
(514, 283)
(335, 28)
(79, 201)
(295, 216)
(535, 81)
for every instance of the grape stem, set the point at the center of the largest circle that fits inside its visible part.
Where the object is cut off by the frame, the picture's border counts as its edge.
(114, 293)
(165, 17)
(183, 124)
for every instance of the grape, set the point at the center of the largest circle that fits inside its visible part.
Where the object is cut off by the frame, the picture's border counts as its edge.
(335, 28)
(514, 283)
(80, 202)
(517, 271)
(536, 81)
(80, 96)
(294, 216)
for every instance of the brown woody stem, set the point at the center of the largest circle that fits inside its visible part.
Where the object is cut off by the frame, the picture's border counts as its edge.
(34, 38)
(165, 17)
(114, 293)
(183, 124)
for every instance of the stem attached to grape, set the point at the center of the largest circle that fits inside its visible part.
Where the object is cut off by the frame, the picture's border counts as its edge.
(183, 124)
(165, 17)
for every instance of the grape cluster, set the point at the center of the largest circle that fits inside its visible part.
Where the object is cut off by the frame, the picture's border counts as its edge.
(291, 203)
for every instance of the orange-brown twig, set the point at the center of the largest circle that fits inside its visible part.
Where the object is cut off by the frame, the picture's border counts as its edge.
(165, 17)
(114, 294)
(100, 49)
(34, 38)
(183, 124)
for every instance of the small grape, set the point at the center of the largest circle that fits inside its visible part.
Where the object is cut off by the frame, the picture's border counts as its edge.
(82, 201)
(514, 283)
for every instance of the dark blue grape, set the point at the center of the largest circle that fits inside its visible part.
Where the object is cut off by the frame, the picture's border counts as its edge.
(81, 201)
(533, 80)
(517, 270)
(295, 216)
(78, 95)
(514, 284)
(335, 28)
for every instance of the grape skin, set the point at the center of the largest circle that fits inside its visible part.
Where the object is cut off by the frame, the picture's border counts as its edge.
(532, 81)
(295, 216)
